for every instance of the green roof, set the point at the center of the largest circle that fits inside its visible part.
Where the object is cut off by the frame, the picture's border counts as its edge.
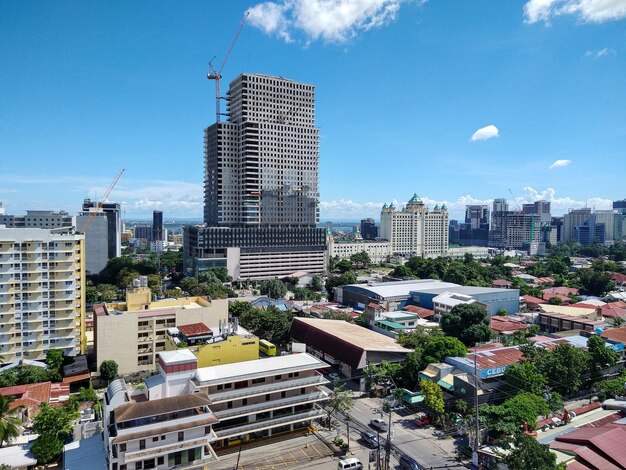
(392, 324)
(412, 398)
(446, 385)
(415, 198)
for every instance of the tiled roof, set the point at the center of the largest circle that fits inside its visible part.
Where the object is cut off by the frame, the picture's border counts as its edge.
(547, 293)
(598, 448)
(420, 311)
(496, 357)
(502, 324)
(615, 334)
(532, 300)
(501, 283)
(28, 395)
(612, 311)
(194, 329)
(129, 411)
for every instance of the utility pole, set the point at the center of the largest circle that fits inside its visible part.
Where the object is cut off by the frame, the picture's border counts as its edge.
(476, 424)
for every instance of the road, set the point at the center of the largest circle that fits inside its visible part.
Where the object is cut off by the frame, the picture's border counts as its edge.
(407, 438)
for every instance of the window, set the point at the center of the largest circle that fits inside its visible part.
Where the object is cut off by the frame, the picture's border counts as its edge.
(138, 465)
(283, 394)
(278, 377)
(122, 447)
(244, 402)
(156, 438)
(149, 464)
(207, 430)
(267, 397)
(142, 444)
(259, 380)
(163, 437)
(160, 460)
(181, 436)
(229, 405)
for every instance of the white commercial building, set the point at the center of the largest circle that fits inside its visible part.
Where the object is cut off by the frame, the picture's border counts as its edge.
(415, 230)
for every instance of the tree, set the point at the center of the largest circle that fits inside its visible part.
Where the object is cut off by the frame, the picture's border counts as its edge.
(411, 367)
(272, 323)
(344, 266)
(236, 309)
(508, 418)
(336, 281)
(527, 453)
(340, 401)
(524, 376)
(417, 337)
(555, 301)
(31, 375)
(618, 321)
(108, 370)
(361, 260)
(316, 283)
(564, 367)
(600, 357)
(54, 361)
(595, 282)
(439, 347)
(9, 425)
(467, 322)
(47, 448)
(273, 288)
(433, 399)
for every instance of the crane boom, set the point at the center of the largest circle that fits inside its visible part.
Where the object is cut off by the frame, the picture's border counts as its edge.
(95, 213)
(217, 74)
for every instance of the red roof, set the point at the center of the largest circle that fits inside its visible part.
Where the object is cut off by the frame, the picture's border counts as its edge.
(496, 357)
(501, 283)
(420, 311)
(612, 311)
(598, 448)
(30, 395)
(619, 278)
(194, 329)
(547, 293)
(615, 334)
(529, 299)
(503, 324)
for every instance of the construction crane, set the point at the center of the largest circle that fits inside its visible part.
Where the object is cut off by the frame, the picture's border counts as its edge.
(519, 208)
(217, 74)
(95, 213)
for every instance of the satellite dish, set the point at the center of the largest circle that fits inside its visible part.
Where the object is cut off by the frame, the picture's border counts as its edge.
(598, 331)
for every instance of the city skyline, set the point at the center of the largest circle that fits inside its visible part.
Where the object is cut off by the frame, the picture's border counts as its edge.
(479, 98)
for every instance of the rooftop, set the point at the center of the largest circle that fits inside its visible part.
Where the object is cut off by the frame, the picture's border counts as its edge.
(177, 356)
(259, 367)
(399, 288)
(130, 411)
(194, 329)
(363, 338)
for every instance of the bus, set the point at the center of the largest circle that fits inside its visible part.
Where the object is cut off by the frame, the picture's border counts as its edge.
(267, 348)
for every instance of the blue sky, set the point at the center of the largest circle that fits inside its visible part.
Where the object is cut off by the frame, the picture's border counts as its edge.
(455, 100)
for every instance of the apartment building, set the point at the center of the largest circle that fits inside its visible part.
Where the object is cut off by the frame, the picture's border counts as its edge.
(42, 299)
(378, 250)
(134, 332)
(173, 432)
(261, 199)
(263, 398)
(38, 219)
(415, 230)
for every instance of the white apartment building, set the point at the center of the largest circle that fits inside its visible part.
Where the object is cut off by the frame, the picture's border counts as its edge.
(378, 251)
(167, 433)
(415, 230)
(42, 300)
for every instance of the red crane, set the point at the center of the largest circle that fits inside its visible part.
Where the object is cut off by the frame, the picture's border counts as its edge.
(98, 208)
(217, 74)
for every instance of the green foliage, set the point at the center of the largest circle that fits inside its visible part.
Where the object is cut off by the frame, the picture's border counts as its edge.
(564, 367)
(467, 322)
(236, 309)
(303, 293)
(47, 448)
(555, 301)
(524, 376)
(106, 292)
(527, 453)
(316, 284)
(108, 370)
(272, 324)
(595, 282)
(84, 395)
(338, 316)
(9, 424)
(508, 417)
(600, 356)
(611, 388)
(439, 347)
(273, 288)
(340, 400)
(418, 337)
(361, 260)
(54, 361)
(433, 399)
(336, 281)
(411, 366)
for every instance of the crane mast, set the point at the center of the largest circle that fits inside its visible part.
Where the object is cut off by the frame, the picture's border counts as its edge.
(217, 74)
(101, 202)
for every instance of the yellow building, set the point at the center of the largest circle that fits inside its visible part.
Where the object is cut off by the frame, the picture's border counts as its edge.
(132, 333)
(230, 344)
(42, 299)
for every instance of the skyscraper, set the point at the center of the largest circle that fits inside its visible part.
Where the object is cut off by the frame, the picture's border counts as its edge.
(261, 184)
(157, 226)
(369, 230)
(114, 224)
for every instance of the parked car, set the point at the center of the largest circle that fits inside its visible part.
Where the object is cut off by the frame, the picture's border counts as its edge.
(407, 463)
(379, 424)
(370, 439)
(349, 464)
(422, 420)
(334, 376)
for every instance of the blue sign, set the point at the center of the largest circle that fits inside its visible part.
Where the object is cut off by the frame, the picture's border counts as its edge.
(493, 372)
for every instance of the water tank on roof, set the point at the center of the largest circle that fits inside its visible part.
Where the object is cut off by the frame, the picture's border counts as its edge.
(598, 331)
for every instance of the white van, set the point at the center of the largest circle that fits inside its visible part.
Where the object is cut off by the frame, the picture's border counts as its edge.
(349, 464)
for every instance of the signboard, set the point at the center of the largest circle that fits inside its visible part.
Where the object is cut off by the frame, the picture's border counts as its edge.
(493, 372)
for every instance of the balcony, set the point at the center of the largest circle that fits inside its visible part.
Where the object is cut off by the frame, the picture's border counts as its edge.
(264, 389)
(271, 405)
(154, 452)
(269, 423)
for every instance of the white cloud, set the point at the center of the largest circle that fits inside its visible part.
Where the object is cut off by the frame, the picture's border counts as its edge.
(334, 21)
(485, 133)
(560, 205)
(560, 164)
(592, 11)
(600, 53)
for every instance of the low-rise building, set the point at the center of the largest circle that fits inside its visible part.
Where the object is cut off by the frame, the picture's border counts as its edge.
(134, 332)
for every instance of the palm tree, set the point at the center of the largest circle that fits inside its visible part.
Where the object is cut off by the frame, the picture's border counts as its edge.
(9, 425)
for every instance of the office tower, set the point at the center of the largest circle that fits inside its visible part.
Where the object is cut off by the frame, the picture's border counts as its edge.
(599, 228)
(415, 230)
(157, 226)
(114, 224)
(143, 231)
(38, 219)
(497, 229)
(475, 230)
(261, 184)
(96, 240)
(369, 230)
(454, 232)
(540, 208)
(574, 218)
(42, 295)
(620, 206)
